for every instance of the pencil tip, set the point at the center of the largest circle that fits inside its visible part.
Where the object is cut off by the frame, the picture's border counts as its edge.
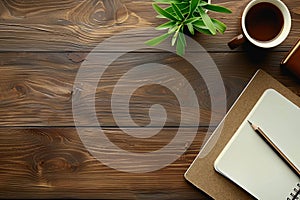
(255, 127)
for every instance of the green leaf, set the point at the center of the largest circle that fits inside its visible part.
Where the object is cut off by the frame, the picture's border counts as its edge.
(173, 29)
(217, 8)
(185, 11)
(174, 38)
(160, 16)
(183, 35)
(204, 31)
(181, 44)
(202, 3)
(184, 8)
(167, 25)
(207, 21)
(155, 41)
(220, 26)
(183, 5)
(177, 11)
(170, 10)
(191, 28)
(191, 20)
(162, 12)
(193, 5)
(199, 24)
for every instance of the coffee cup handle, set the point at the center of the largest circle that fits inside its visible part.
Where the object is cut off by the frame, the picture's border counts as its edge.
(237, 41)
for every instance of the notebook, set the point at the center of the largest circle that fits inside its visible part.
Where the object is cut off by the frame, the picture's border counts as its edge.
(250, 162)
(201, 172)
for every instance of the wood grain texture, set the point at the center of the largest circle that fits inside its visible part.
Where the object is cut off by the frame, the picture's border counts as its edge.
(80, 25)
(36, 89)
(43, 43)
(47, 163)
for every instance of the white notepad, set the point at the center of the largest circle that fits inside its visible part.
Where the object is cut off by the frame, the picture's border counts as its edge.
(249, 162)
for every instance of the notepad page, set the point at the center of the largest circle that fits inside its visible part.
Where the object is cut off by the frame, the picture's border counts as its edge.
(280, 121)
(249, 162)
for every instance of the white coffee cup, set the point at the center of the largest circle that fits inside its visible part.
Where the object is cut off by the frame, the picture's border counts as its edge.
(253, 7)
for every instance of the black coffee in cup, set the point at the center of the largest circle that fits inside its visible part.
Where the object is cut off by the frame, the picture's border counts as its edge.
(264, 21)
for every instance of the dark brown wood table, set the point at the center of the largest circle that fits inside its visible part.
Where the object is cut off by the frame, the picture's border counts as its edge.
(43, 43)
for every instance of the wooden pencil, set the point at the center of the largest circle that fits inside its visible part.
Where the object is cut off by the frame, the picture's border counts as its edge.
(274, 147)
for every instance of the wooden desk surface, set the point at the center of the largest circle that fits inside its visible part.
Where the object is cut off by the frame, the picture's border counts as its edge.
(42, 45)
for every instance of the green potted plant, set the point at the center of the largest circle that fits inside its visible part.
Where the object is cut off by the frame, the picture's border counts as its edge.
(190, 15)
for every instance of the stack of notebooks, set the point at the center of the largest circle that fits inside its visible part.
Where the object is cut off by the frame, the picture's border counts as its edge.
(242, 161)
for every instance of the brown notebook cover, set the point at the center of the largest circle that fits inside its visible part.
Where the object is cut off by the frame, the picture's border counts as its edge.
(201, 173)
